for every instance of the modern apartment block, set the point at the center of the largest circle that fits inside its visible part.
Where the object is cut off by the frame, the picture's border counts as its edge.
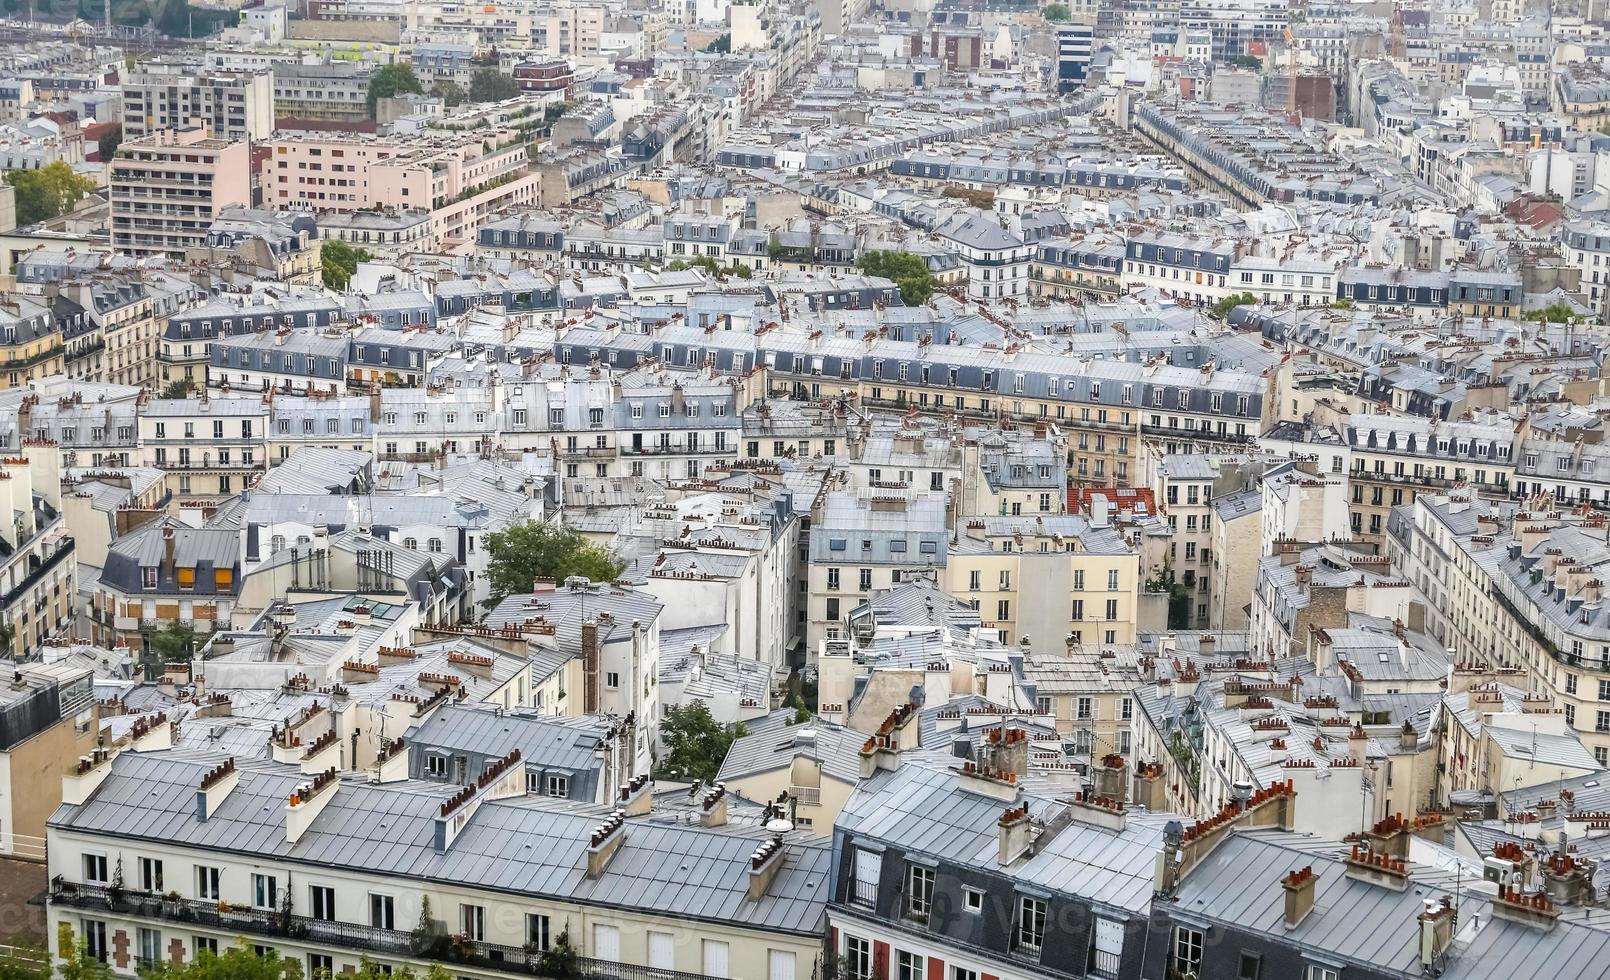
(461, 179)
(233, 105)
(168, 187)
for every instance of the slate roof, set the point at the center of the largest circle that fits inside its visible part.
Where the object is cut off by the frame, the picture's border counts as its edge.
(523, 845)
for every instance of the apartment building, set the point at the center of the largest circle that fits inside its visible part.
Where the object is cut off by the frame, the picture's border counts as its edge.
(232, 105)
(1188, 489)
(169, 186)
(318, 889)
(48, 715)
(31, 345)
(1048, 582)
(461, 179)
(210, 447)
(38, 563)
(859, 545)
(165, 574)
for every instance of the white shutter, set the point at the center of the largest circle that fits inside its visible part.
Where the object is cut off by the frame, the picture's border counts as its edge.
(661, 951)
(867, 864)
(779, 965)
(606, 943)
(1109, 946)
(715, 959)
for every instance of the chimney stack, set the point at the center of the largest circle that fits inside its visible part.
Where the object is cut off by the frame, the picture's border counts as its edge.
(1299, 889)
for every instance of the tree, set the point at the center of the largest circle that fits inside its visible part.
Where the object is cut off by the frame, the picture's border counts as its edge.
(1553, 313)
(49, 192)
(77, 964)
(491, 85)
(173, 643)
(8, 636)
(529, 550)
(695, 743)
(392, 80)
(25, 961)
(708, 264)
(721, 45)
(338, 261)
(1056, 12)
(108, 143)
(1222, 308)
(180, 388)
(450, 92)
(904, 269)
(239, 962)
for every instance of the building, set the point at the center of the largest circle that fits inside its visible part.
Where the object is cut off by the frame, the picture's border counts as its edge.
(1075, 42)
(38, 564)
(231, 105)
(48, 717)
(169, 187)
(595, 885)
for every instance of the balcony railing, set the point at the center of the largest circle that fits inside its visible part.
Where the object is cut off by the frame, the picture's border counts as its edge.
(348, 935)
(38, 567)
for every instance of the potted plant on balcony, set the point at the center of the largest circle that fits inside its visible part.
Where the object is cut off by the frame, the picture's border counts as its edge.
(429, 938)
(460, 947)
(559, 959)
(171, 905)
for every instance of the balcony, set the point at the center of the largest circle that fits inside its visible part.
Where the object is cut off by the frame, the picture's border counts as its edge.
(344, 935)
(37, 569)
(675, 450)
(811, 795)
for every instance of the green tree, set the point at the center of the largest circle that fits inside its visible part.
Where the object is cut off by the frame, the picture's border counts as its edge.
(491, 85)
(108, 143)
(173, 643)
(239, 962)
(76, 963)
(906, 270)
(338, 261)
(8, 636)
(1056, 12)
(180, 388)
(529, 550)
(1553, 313)
(708, 264)
(450, 92)
(677, 265)
(695, 743)
(1222, 308)
(49, 192)
(25, 961)
(392, 80)
(721, 45)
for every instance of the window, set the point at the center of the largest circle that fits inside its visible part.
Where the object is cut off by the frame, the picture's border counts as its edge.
(716, 955)
(94, 931)
(537, 932)
(1086, 708)
(559, 786)
(920, 892)
(1112, 580)
(436, 766)
(1317, 972)
(382, 912)
(320, 965)
(472, 921)
(95, 869)
(207, 882)
(265, 892)
(150, 946)
(321, 900)
(960, 973)
(972, 899)
(1250, 966)
(865, 580)
(1108, 948)
(867, 865)
(612, 680)
(1187, 959)
(150, 875)
(857, 958)
(207, 943)
(1030, 922)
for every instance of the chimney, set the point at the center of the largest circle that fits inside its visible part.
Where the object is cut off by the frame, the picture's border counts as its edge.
(306, 802)
(606, 840)
(324, 753)
(167, 549)
(1299, 889)
(637, 797)
(391, 765)
(1149, 790)
(1109, 777)
(589, 665)
(1436, 933)
(151, 734)
(764, 864)
(713, 807)
(1012, 834)
(215, 787)
(1007, 750)
(85, 776)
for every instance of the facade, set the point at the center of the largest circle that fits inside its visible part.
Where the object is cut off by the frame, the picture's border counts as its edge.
(231, 105)
(169, 187)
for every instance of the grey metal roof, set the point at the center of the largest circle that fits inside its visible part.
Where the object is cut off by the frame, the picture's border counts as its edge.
(523, 845)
